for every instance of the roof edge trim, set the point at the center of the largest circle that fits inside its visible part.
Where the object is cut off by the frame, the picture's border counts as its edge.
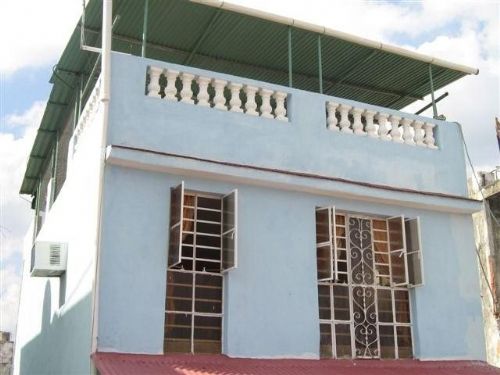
(220, 4)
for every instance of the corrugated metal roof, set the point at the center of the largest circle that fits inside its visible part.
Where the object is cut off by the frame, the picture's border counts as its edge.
(236, 43)
(133, 364)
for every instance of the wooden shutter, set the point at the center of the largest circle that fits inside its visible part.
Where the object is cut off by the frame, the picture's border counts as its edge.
(325, 237)
(229, 231)
(176, 219)
(397, 249)
(414, 252)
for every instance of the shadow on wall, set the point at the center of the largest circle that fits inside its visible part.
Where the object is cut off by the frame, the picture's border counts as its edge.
(63, 344)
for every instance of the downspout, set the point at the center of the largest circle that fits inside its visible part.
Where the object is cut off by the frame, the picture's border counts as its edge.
(107, 25)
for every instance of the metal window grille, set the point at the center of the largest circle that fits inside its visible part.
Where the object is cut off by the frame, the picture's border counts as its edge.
(364, 310)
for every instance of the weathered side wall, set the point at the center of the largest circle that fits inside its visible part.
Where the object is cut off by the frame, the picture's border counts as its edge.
(54, 326)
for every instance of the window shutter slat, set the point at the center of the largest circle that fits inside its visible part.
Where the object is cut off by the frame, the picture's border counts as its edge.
(176, 219)
(325, 237)
(414, 252)
(229, 231)
(397, 248)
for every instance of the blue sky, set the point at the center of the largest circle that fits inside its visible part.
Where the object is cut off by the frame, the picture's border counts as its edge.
(465, 32)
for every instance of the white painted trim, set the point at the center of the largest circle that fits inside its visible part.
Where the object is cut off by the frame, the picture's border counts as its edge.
(200, 169)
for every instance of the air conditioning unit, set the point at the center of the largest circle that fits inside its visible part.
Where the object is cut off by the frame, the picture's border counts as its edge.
(48, 259)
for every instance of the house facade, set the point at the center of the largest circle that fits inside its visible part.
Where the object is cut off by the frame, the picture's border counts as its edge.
(203, 211)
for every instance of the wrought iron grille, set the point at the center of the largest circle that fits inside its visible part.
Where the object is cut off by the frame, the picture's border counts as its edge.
(363, 314)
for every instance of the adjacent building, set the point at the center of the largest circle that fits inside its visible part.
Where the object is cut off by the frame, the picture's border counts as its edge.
(211, 179)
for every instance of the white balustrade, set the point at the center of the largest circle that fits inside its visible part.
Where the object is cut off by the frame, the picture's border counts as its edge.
(280, 110)
(203, 96)
(419, 133)
(235, 102)
(357, 125)
(344, 118)
(187, 92)
(154, 82)
(370, 128)
(331, 119)
(251, 105)
(382, 127)
(227, 95)
(429, 135)
(170, 89)
(395, 132)
(374, 124)
(219, 98)
(407, 134)
(265, 107)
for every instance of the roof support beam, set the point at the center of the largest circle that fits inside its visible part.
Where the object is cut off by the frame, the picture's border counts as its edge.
(202, 37)
(290, 62)
(320, 66)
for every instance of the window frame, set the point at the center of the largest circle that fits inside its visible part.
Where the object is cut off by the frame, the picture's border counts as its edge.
(393, 288)
(233, 231)
(419, 252)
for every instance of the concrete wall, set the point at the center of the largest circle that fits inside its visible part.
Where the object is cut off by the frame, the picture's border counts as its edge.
(304, 144)
(271, 299)
(54, 326)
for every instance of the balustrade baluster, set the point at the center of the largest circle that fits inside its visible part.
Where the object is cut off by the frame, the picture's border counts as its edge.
(187, 92)
(265, 108)
(235, 102)
(382, 127)
(280, 110)
(219, 98)
(357, 125)
(429, 135)
(251, 105)
(331, 120)
(170, 89)
(419, 133)
(344, 119)
(407, 134)
(203, 96)
(370, 128)
(154, 82)
(395, 132)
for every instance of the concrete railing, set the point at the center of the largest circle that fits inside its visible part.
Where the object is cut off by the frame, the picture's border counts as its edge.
(174, 85)
(377, 124)
(86, 117)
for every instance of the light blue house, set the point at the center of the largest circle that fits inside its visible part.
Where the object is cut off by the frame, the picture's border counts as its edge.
(231, 182)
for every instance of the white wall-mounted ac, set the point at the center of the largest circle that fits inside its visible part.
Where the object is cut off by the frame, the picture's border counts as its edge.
(48, 258)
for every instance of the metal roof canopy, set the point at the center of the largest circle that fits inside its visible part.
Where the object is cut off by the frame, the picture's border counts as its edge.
(224, 37)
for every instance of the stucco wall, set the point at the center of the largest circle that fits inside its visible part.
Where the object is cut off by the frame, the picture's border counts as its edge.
(304, 144)
(271, 299)
(54, 330)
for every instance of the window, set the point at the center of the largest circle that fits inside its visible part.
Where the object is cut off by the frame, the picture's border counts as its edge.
(203, 244)
(366, 266)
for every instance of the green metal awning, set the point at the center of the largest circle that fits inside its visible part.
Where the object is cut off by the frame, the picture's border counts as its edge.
(222, 37)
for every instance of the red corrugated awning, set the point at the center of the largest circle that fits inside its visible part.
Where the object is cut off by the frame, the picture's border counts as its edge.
(134, 364)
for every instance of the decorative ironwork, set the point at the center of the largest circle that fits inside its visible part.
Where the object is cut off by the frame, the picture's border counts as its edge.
(361, 251)
(365, 322)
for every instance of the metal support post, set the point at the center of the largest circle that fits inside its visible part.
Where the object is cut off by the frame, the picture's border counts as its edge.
(434, 107)
(290, 56)
(145, 28)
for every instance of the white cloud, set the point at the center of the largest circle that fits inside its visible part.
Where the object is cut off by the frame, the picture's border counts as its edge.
(10, 288)
(15, 212)
(34, 32)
